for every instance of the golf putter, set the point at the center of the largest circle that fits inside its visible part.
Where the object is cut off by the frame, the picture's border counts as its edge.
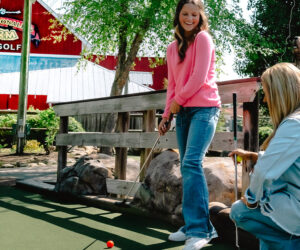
(235, 160)
(124, 202)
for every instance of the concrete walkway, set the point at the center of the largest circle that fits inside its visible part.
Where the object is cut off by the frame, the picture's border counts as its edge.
(32, 177)
(43, 173)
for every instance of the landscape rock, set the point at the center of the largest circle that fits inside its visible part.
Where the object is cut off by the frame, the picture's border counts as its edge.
(220, 179)
(163, 182)
(86, 176)
(8, 165)
(42, 164)
(21, 164)
(32, 165)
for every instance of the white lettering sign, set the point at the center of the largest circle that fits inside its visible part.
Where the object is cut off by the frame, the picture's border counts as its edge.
(7, 46)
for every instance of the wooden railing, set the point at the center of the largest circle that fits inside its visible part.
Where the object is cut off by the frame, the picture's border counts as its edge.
(148, 103)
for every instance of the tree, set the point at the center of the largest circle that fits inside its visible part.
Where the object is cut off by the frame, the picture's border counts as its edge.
(267, 40)
(126, 27)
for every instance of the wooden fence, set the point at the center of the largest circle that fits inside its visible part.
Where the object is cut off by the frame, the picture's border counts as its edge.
(148, 103)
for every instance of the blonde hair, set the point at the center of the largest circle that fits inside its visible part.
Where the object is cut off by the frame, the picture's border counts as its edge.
(179, 31)
(282, 84)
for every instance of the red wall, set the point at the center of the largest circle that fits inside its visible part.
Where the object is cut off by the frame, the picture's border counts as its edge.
(141, 64)
(11, 102)
(40, 18)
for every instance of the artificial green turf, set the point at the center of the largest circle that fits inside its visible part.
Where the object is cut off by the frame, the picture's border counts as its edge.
(31, 221)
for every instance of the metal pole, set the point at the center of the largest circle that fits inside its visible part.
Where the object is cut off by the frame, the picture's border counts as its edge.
(23, 86)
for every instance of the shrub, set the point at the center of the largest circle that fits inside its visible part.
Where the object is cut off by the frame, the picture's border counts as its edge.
(263, 133)
(7, 120)
(48, 119)
(33, 146)
(43, 119)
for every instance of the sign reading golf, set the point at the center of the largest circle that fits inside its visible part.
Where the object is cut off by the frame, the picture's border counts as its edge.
(9, 28)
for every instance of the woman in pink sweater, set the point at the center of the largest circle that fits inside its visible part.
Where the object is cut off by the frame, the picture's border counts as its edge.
(193, 95)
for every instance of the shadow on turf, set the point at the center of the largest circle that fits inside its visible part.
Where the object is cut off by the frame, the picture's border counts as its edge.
(127, 222)
(124, 222)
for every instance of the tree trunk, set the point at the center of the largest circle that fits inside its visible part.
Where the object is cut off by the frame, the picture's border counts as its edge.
(122, 73)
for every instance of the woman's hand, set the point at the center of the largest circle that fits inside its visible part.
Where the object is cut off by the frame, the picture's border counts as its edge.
(243, 199)
(245, 155)
(250, 206)
(162, 128)
(175, 107)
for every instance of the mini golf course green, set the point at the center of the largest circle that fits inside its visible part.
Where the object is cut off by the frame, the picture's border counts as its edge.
(30, 221)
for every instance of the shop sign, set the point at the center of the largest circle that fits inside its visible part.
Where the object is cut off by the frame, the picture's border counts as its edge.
(9, 28)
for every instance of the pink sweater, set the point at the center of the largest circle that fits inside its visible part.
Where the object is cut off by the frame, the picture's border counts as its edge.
(192, 83)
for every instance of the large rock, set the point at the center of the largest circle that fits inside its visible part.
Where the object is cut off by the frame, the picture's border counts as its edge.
(162, 188)
(86, 176)
(220, 177)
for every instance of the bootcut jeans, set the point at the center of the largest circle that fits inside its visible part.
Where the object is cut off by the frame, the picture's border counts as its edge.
(270, 235)
(195, 128)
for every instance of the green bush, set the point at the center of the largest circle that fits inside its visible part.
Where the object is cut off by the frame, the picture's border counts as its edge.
(33, 146)
(263, 133)
(75, 126)
(5, 135)
(7, 120)
(48, 119)
(43, 119)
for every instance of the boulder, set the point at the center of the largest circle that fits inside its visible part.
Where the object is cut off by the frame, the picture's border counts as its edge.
(86, 176)
(220, 177)
(162, 188)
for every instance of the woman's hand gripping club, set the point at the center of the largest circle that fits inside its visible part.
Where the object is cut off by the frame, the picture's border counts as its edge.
(165, 125)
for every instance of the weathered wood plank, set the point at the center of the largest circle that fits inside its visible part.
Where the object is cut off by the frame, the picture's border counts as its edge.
(121, 153)
(251, 143)
(148, 126)
(113, 105)
(121, 187)
(153, 100)
(224, 141)
(221, 141)
(246, 91)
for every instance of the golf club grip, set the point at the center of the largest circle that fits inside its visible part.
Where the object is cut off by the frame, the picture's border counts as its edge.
(234, 116)
(169, 120)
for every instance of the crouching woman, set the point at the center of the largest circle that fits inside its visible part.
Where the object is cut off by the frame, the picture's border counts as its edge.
(270, 208)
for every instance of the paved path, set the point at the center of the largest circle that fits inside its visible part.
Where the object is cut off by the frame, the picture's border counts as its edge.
(42, 173)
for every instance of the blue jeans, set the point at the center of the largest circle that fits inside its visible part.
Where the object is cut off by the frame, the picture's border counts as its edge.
(195, 128)
(270, 235)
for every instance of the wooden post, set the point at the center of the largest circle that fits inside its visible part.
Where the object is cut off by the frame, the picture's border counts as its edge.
(121, 153)
(62, 150)
(148, 126)
(250, 129)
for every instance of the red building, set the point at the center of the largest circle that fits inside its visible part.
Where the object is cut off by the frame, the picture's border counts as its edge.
(45, 54)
